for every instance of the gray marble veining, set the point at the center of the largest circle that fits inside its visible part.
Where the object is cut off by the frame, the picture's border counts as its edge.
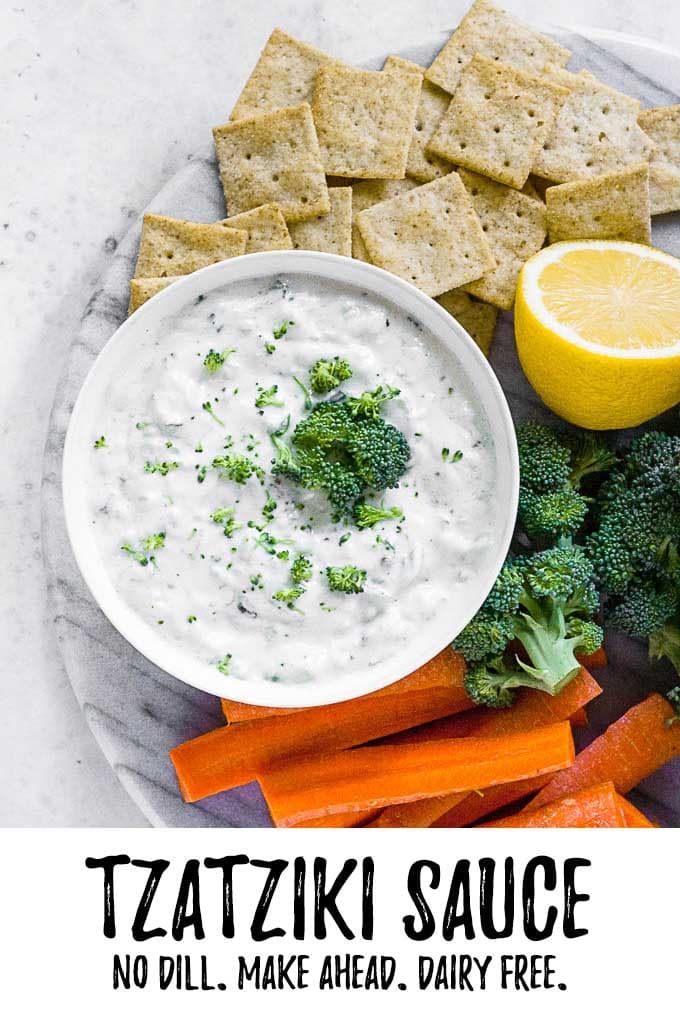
(136, 711)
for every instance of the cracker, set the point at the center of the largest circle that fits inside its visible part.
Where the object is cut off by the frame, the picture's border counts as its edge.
(283, 76)
(662, 125)
(171, 247)
(331, 232)
(364, 120)
(430, 236)
(368, 193)
(476, 317)
(495, 34)
(265, 226)
(596, 131)
(274, 157)
(143, 289)
(497, 121)
(609, 207)
(514, 226)
(432, 106)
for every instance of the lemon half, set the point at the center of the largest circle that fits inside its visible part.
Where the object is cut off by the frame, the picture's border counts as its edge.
(598, 331)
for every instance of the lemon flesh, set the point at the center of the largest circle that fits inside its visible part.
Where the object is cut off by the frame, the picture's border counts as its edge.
(598, 331)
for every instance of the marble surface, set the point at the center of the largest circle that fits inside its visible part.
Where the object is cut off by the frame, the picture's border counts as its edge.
(102, 114)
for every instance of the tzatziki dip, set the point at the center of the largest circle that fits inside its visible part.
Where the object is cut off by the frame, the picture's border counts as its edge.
(237, 564)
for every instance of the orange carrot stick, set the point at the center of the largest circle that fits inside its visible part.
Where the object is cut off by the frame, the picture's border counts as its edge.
(232, 755)
(484, 802)
(238, 711)
(532, 708)
(342, 820)
(634, 818)
(373, 777)
(638, 743)
(579, 718)
(594, 660)
(597, 807)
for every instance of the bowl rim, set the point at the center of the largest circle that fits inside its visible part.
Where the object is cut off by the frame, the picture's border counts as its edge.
(340, 270)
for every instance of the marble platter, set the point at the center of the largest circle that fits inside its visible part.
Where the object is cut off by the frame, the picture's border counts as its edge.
(135, 710)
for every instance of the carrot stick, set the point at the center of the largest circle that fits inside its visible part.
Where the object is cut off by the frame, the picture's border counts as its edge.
(373, 777)
(635, 745)
(597, 807)
(594, 660)
(232, 755)
(634, 819)
(480, 804)
(579, 718)
(342, 820)
(238, 711)
(532, 708)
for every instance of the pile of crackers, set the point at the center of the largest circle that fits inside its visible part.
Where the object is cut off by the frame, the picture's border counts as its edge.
(450, 176)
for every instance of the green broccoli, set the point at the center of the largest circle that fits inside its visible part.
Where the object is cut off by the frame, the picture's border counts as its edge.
(225, 517)
(366, 516)
(207, 406)
(237, 468)
(547, 515)
(154, 467)
(349, 580)
(301, 569)
(267, 398)
(280, 331)
(214, 360)
(370, 404)
(325, 375)
(152, 542)
(380, 453)
(224, 664)
(545, 601)
(100, 443)
(289, 596)
(307, 396)
(269, 508)
(148, 544)
(328, 425)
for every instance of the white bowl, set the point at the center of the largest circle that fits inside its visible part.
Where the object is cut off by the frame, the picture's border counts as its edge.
(441, 629)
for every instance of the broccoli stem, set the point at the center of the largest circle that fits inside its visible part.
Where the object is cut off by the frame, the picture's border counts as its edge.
(550, 651)
(665, 644)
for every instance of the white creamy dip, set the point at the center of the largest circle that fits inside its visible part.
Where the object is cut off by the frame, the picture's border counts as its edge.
(211, 594)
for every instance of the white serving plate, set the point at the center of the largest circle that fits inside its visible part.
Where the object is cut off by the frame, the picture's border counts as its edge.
(440, 629)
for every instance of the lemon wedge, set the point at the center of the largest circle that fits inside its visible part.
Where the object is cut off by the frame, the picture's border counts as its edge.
(597, 325)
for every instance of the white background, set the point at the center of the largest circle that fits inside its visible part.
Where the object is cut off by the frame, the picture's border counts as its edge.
(102, 100)
(54, 958)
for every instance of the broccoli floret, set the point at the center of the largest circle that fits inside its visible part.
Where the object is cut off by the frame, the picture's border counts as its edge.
(339, 482)
(154, 467)
(589, 455)
(366, 516)
(152, 542)
(224, 664)
(370, 404)
(643, 609)
(269, 508)
(325, 375)
(236, 468)
(267, 398)
(591, 634)
(214, 360)
(547, 515)
(329, 424)
(349, 580)
(505, 595)
(380, 453)
(493, 682)
(544, 462)
(289, 596)
(301, 569)
(224, 516)
(487, 635)
(137, 554)
(100, 443)
(280, 331)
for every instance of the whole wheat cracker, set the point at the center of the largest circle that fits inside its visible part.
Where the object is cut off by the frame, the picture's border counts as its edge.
(497, 121)
(331, 232)
(171, 247)
(283, 76)
(143, 289)
(596, 131)
(273, 157)
(476, 317)
(662, 125)
(612, 206)
(515, 228)
(432, 106)
(364, 120)
(494, 33)
(368, 193)
(430, 236)
(266, 228)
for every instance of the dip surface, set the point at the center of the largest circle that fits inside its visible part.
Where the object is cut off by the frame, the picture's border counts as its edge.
(211, 594)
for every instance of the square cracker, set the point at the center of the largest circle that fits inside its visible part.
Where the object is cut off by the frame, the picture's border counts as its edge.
(662, 125)
(331, 232)
(143, 289)
(432, 106)
(283, 76)
(514, 226)
(265, 226)
(494, 33)
(609, 207)
(170, 247)
(430, 236)
(368, 193)
(596, 131)
(274, 157)
(364, 120)
(476, 317)
(497, 121)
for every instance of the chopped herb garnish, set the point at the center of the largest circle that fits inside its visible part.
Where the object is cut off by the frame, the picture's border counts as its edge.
(207, 406)
(142, 425)
(451, 458)
(256, 581)
(99, 443)
(154, 467)
(138, 555)
(223, 664)
(270, 348)
(202, 472)
(191, 618)
(281, 330)
(345, 538)
(198, 448)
